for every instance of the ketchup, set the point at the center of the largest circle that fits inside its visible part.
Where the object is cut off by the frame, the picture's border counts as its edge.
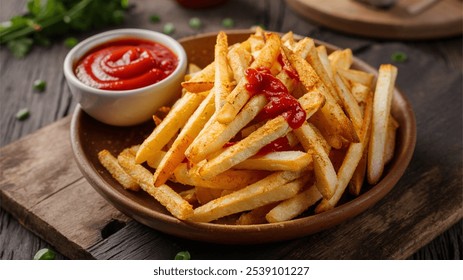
(280, 101)
(126, 64)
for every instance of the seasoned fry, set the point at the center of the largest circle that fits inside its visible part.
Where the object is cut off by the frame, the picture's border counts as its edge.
(294, 206)
(286, 160)
(323, 167)
(356, 76)
(221, 70)
(381, 111)
(170, 199)
(390, 139)
(111, 164)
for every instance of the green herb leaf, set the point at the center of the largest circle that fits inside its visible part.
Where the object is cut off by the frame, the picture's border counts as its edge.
(39, 85)
(195, 23)
(22, 115)
(399, 56)
(44, 254)
(183, 255)
(155, 19)
(169, 28)
(228, 22)
(70, 42)
(20, 47)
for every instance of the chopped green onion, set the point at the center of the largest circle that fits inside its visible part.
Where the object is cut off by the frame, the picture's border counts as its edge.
(169, 28)
(44, 254)
(155, 19)
(125, 4)
(195, 23)
(228, 22)
(183, 255)
(399, 57)
(22, 114)
(70, 42)
(39, 85)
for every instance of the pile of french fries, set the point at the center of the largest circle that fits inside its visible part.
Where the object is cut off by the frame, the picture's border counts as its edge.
(348, 135)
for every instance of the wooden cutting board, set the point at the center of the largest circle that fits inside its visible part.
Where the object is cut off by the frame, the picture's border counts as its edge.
(442, 19)
(42, 187)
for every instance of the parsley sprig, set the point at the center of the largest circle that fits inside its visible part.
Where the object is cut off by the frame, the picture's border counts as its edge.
(47, 20)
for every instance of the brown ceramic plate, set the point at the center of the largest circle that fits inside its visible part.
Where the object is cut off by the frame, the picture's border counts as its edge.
(89, 136)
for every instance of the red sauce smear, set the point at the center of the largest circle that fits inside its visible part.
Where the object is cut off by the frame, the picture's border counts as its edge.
(260, 81)
(283, 60)
(126, 64)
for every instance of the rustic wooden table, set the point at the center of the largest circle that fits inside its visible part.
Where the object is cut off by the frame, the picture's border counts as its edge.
(431, 78)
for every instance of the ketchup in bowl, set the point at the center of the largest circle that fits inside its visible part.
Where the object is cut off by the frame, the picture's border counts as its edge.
(125, 64)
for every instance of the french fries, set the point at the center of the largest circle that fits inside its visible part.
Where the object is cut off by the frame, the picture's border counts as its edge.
(225, 151)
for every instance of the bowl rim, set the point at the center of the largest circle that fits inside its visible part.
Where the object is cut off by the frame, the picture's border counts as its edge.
(100, 38)
(305, 225)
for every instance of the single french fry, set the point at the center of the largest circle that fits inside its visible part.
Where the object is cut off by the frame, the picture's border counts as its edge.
(256, 216)
(294, 206)
(239, 59)
(381, 112)
(221, 70)
(356, 76)
(111, 164)
(239, 96)
(324, 170)
(174, 203)
(341, 59)
(228, 180)
(356, 182)
(349, 103)
(276, 187)
(323, 55)
(390, 139)
(176, 153)
(163, 133)
(276, 161)
(350, 163)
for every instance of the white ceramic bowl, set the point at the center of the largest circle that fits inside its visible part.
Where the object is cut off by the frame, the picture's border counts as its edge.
(125, 107)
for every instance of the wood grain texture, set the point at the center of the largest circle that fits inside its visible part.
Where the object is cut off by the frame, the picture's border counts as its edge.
(442, 19)
(431, 79)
